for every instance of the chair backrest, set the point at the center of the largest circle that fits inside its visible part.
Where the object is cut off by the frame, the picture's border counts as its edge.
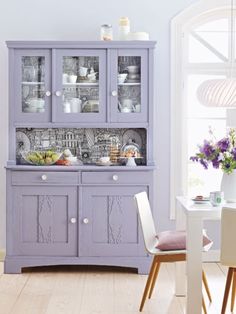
(146, 220)
(228, 237)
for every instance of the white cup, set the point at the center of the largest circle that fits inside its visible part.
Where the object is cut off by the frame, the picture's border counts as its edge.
(67, 107)
(216, 198)
(65, 78)
(72, 78)
(138, 108)
(83, 71)
(75, 105)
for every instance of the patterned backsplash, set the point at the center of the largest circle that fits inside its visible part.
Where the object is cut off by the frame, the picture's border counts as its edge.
(87, 144)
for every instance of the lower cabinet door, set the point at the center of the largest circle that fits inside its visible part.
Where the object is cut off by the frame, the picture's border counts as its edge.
(109, 222)
(44, 221)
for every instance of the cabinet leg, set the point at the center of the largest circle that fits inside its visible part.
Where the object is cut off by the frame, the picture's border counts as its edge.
(12, 268)
(144, 268)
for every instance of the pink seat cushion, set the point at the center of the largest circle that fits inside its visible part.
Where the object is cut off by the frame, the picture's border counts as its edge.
(176, 240)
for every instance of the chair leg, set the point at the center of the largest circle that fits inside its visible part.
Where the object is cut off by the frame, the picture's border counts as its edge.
(204, 279)
(233, 291)
(158, 265)
(204, 306)
(227, 288)
(148, 283)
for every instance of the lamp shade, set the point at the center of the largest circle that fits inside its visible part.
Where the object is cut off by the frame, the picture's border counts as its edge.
(218, 93)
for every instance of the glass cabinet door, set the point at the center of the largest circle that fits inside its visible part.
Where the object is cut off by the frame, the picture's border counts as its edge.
(33, 94)
(129, 86)
(80, 86)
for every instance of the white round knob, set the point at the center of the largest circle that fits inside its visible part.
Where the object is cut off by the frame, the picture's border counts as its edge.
(48, 93)
(115, 177)
(85, 221)
(73, 220)
(58, 93)
(44, 177)
(114, 93)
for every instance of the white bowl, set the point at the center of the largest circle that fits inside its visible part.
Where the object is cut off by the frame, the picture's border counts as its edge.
(104, 159)
(72, 159)
(138, 36)
(133, 69)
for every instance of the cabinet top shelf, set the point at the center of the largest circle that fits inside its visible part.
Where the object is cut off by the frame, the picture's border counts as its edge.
(82, 44)
(80, 84)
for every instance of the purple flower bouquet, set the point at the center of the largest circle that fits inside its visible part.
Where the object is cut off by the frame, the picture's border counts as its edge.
(221, 154)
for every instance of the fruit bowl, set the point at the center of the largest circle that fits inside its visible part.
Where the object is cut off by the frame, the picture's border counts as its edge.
(41, 158)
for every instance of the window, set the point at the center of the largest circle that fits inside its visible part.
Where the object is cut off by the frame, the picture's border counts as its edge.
(201, 50)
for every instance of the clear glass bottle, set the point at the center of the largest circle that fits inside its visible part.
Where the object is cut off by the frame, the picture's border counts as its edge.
(106, 32)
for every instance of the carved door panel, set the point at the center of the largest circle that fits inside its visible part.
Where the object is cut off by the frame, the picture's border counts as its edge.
(42, 220)
(109, 222)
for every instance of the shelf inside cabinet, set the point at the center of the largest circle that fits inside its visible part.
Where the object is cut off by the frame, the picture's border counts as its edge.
(32, 83)
(86, 84)
(129, 84)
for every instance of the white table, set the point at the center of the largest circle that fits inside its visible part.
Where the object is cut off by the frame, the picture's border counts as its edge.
(190, 216)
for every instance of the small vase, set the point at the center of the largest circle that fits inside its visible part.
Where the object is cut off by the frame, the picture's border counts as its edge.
(228, 186)
(131, 162)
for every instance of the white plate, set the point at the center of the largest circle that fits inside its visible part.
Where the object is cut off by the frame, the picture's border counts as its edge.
(203, 201)
(103, 163)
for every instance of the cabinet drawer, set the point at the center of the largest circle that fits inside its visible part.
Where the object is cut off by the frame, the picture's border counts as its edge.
(43, 177)
(114, 177)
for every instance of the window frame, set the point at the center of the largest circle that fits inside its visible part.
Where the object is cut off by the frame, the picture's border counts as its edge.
(180, 25)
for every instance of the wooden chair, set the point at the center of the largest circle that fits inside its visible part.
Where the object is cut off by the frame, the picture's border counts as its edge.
(151, 241)
(228, 253)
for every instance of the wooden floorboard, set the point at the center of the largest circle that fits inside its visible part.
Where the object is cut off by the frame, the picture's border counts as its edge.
(91, 290)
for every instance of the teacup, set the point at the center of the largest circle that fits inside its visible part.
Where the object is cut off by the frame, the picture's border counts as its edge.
(92, 76)
(67, 107)
(83, 71)
(216, 198)
(72, 79)
(65, 78)
(75, 105)
(121, 77)
(138, 108)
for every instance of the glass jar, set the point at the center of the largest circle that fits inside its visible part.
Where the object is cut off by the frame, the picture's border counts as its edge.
(106, 32)
(124, 28)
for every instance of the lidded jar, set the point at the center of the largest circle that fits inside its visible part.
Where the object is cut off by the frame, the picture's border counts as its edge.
(124, 28)
(106, 32)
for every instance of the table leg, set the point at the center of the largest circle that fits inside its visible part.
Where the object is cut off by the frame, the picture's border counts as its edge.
(194, 265)
(180, 267)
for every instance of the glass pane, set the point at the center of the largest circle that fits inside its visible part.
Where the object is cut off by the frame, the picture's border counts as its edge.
(218, 40)
(33, 84)
(220, 25)
(129, 84)
(198, 53)
(194, 108)
(201, 181)
(80, 81)
(198, 130)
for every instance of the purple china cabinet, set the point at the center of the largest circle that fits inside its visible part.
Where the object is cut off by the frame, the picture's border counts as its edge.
(96, 100)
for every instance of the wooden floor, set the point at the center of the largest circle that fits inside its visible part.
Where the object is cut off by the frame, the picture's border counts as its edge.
(82, 290)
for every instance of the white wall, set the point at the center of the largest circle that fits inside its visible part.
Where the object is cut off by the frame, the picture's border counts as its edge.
(81, 20)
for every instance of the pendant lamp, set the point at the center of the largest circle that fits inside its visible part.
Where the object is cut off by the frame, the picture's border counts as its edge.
(220, 92)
